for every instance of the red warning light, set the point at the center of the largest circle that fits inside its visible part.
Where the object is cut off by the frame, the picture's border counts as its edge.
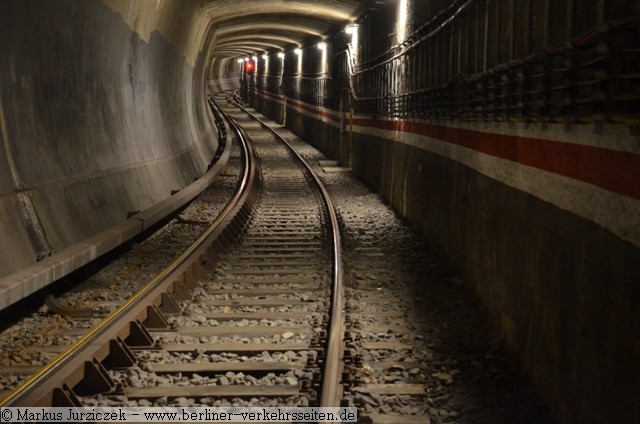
(249, 66)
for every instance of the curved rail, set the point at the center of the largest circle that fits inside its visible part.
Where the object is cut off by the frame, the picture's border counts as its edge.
(27, 281)
(331, 392)
(68, 368)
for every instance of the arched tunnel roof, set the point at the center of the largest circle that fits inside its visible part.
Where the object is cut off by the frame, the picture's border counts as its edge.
(257, 26)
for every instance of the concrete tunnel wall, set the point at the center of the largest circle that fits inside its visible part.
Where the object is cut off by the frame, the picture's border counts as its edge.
(539, 217)
(224, 75)
(102, 112)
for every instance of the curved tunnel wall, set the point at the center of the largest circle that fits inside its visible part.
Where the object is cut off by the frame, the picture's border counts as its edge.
(224, 75)
(103, 112)
(522, 169)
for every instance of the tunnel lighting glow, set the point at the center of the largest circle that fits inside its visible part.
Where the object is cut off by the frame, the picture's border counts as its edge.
(255, 58)
(322, 46)
(298, 51)
(401, 25)
(246, 59)
(240, 61)
(351, 29)
(281, 55)
(265, 56)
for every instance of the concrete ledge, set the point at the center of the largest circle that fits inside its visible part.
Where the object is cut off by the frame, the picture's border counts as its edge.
(20, 284)
(159, 211)
(15, 287)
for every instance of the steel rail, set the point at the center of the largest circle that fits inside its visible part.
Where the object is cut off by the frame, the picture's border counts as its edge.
(67, 369)
(32, 278)
(331, 392)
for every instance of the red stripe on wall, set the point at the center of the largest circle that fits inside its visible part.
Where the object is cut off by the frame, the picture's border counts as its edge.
(270, 95)
(316, 111)
(615, 171)
(612, 170)
(300, 105)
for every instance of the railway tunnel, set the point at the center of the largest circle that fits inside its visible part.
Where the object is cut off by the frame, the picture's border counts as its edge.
(505, 132)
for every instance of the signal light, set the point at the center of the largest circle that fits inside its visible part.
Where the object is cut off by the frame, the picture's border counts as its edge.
(249, 66)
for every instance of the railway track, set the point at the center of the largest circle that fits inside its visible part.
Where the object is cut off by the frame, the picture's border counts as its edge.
(29, 340)
(381, 376)
(417, 347)
(241, 318)
(253, 320)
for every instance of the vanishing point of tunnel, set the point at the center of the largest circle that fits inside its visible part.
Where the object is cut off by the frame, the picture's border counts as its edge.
(505, 133)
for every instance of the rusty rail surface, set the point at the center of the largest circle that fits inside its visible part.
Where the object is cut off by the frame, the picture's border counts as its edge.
(331, 393)
(81, 369)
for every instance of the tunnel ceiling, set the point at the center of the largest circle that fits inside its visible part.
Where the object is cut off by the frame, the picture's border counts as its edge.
(259, 26)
